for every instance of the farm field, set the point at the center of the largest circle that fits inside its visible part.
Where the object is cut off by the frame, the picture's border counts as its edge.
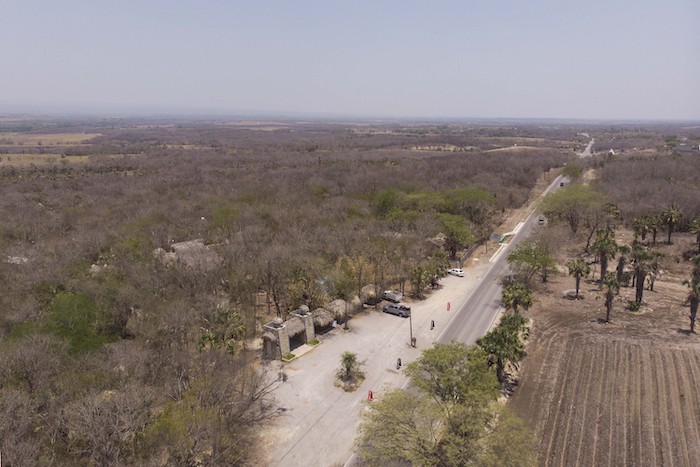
(622, 393)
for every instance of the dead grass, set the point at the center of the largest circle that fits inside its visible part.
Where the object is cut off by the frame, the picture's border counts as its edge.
(45, 139)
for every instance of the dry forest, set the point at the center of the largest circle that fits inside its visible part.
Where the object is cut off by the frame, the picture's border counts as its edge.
(139, 259)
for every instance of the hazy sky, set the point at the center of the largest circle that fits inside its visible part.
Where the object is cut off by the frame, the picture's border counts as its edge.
(631, 59)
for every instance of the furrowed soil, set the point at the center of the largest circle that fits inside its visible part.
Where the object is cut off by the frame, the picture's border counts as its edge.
(618, 393)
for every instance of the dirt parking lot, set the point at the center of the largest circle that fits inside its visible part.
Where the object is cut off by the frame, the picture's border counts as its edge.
(622, 393)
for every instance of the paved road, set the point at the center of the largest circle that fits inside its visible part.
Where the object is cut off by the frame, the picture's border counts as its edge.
(587, 152)
(475, 316)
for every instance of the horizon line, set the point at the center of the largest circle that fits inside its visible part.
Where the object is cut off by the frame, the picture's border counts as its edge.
(198, 114)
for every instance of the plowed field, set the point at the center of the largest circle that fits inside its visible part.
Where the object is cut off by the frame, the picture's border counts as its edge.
(622, 393)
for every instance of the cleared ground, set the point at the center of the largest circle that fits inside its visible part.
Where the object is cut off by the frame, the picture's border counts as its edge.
(622, 393)
(45, 139)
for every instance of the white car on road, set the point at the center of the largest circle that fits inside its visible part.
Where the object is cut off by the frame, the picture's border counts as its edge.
(456, 272)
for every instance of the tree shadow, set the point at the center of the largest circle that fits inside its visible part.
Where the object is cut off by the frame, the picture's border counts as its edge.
(685, 332)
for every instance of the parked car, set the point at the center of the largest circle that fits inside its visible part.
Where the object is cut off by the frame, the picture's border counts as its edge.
(392, 295)
(398, 309)
(456, 272)
(541, 220)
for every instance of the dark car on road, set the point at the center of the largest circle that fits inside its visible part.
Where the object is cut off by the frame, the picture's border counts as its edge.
(398, 309)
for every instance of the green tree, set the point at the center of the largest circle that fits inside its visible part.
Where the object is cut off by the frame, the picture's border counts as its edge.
(503, 345)
(457, 235)
(623, 251)
(474, 203)
(573, 172)
(384, 201)
(516, 295)
(693, 298)
(641, 258)
(670, 216)
(304, 289)
(420, 278)
(350, 372)
(400, 427)
(611, 289)
(453, 373)
(612, 214)
(222, 328)
(606, 248)
(640, 227)
(578, 268)
(645, 224)
(461, 442)
(510, 443)
(344, 285)
(695, 230)
(572, 204)
(438, 265)
(76, 318)
(529, 258)
(451, 418)
(653, 224)
(654, 268)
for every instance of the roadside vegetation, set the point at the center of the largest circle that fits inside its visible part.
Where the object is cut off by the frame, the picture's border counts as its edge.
(448, 416)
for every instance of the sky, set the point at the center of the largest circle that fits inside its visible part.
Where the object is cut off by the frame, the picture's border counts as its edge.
(595, 59)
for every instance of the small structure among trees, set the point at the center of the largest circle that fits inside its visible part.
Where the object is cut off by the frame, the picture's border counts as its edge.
(277, 335)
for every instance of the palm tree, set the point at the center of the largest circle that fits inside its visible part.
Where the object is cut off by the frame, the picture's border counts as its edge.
(516, 295)
(502, 345)
(693, 299)
(654, 268)
(695, 229)
(653, 223)
(624, 250)
(349, 366)
(696, 265)
(640, 258)
(612, 213)
(640, 226)
(671, 216)
(611, 289)
(605, 247)
(578, 268)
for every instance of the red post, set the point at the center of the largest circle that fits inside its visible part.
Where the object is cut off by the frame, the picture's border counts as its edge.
(370, 396)
(448, 306)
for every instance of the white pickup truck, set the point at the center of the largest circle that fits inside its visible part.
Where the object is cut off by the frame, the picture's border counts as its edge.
(392, 296)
